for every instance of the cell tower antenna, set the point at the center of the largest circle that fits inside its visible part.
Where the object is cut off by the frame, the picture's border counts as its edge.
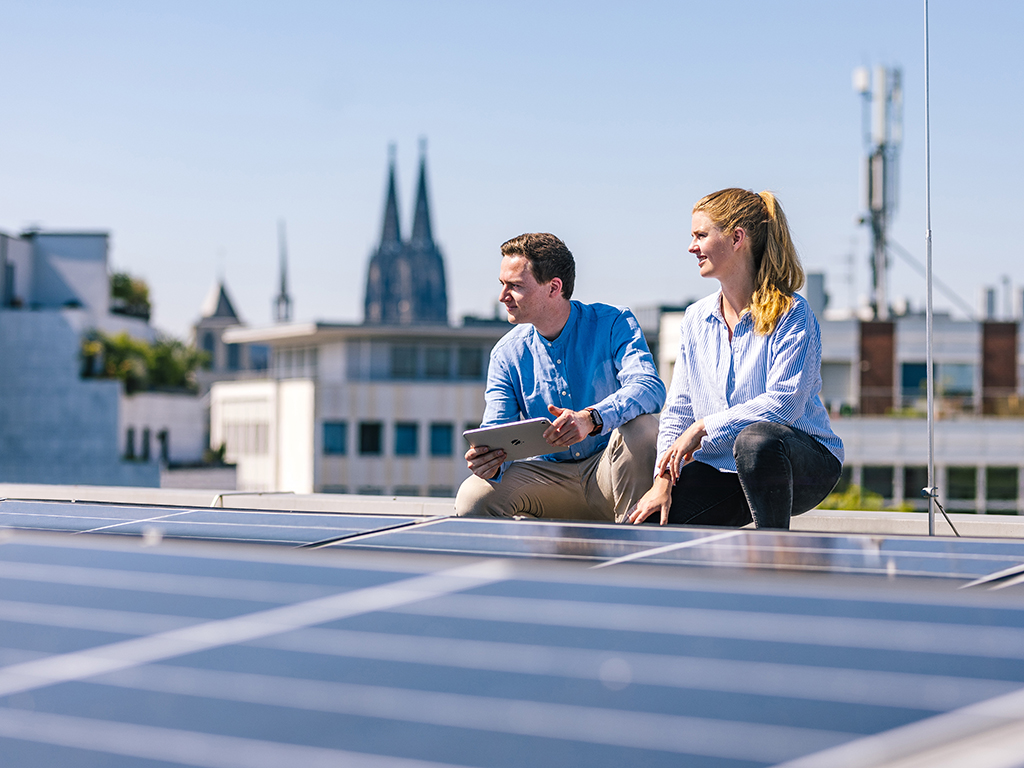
(882, 93)
(283, 302)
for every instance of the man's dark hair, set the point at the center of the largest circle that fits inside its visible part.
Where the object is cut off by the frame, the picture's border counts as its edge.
(548, 258)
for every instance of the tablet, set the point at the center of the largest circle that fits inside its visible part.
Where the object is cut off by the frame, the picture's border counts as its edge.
(519, 439)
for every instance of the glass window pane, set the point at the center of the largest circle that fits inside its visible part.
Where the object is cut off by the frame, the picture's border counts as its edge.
(471, 363)
(1001, 483)
(878, 480)
(438, 362)
(915, 479)
(955, 379)
(370, 438)
(441, 439)
(406, 438)
(403, 362)
(914, 379)
(961, 482)
(335, 438)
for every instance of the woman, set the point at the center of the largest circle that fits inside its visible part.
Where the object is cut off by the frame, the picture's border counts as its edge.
(744, 435)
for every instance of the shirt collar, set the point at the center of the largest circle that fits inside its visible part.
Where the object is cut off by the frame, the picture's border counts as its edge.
(567, 329)
(715, 313)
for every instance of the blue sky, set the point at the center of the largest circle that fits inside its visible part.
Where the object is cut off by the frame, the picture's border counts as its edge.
(187, 129)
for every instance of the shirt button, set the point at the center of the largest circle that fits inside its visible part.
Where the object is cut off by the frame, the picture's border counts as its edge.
(577, 454)
(558, 361)
(563, 392)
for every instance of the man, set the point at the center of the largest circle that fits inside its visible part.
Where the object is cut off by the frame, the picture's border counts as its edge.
(587, 368)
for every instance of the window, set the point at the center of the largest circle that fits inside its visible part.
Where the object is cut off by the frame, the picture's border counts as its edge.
(845, 478)
(951, 379)
(208, 344)
(471, 363)
(164, 438)
(335, 438)
(878, 480)
(370, 434)
(441, 491)
(1001, 483)
(234, 357)
(129, 443)
(438, 362)
(145, 444)
(955, 380)
(914, 379)
(441, 439)
(403, 362)
(334, 489)
(259, 357)
(961, 483)
(406, 438)
(406, 490)
(915, 479)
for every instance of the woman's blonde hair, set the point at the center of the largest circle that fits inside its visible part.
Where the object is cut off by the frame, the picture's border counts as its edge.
(777, 271)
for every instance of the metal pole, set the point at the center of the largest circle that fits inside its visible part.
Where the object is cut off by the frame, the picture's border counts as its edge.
(932, 490)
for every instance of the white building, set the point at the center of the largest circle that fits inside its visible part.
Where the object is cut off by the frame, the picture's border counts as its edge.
(355, 409)
(55, 425)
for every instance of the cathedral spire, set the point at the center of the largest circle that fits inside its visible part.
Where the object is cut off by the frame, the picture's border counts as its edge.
(421, 232)
(392, 233)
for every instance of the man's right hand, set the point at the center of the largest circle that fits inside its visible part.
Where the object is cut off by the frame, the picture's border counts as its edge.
(483, 462)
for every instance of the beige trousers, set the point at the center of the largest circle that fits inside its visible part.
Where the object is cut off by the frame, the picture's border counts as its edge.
(602, 487)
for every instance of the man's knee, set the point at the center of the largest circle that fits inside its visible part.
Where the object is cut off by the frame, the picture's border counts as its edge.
(473, 498)
(636, 442)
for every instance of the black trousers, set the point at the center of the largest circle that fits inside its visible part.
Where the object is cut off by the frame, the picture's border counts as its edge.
(781, 472)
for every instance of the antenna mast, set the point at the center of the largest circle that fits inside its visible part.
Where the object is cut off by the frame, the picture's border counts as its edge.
(283, 302)
(882, 92)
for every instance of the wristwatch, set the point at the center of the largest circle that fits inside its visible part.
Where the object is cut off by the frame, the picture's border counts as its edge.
(595, 416)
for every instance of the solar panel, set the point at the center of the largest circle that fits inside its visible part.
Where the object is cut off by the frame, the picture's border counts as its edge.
(607, 544)
(214, 655)
(287, 528)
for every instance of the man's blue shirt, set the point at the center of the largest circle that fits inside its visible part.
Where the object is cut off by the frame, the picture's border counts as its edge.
(599, 360)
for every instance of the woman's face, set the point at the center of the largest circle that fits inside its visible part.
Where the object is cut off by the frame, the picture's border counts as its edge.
(716, 252)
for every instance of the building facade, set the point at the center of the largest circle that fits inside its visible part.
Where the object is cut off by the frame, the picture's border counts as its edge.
(57, 426)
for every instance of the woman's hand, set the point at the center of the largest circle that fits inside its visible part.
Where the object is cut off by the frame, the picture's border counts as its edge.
(657, 499)
(681, 452)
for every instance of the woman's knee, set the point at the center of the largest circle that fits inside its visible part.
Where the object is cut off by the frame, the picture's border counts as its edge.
(760, 441)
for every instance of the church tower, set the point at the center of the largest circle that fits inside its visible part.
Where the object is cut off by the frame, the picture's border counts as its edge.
(405, 284)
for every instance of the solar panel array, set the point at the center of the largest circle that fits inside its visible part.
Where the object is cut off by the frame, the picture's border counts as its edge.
(178, 637)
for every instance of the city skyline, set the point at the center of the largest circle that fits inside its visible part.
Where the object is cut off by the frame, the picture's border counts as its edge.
(189, 131)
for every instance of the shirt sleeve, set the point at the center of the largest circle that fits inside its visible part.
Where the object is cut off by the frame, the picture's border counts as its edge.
(678, 414)
(501, 405)
(794, 358)
(640, 390)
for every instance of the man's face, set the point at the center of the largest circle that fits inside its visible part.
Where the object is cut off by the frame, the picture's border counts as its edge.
(525, 300)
